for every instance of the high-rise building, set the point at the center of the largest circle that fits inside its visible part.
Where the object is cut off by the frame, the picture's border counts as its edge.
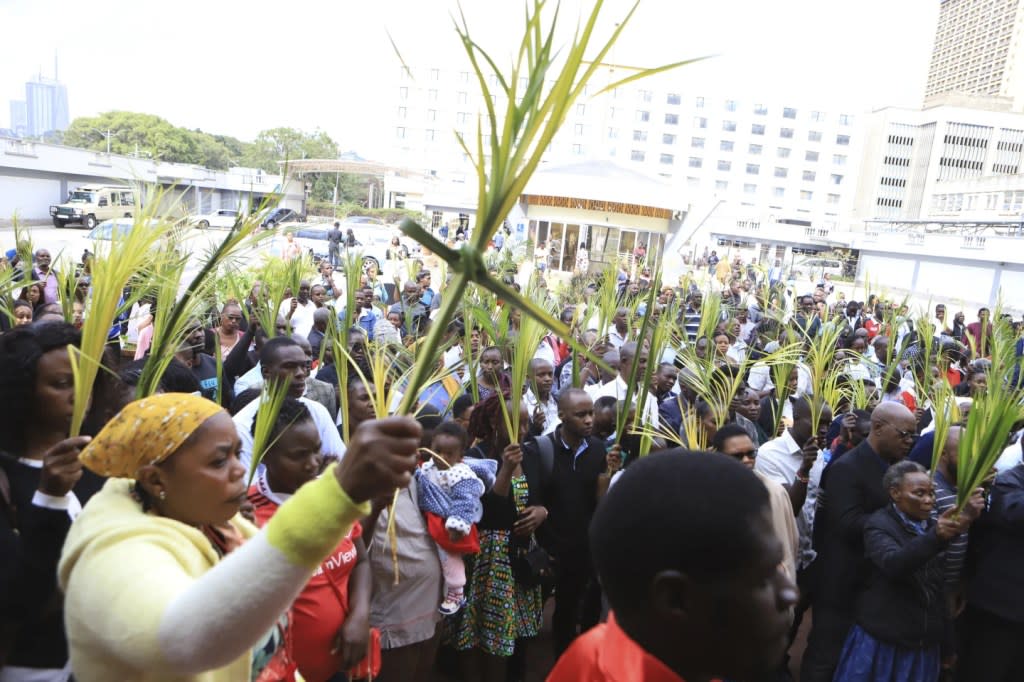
(978, 51)
(46, 102)
(19, 117)
(768, 159)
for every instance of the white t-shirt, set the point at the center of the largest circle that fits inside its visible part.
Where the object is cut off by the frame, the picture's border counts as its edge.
(302, 318)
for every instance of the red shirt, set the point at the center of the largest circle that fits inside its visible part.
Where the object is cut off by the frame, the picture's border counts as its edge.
(606, 654)
(321, 608)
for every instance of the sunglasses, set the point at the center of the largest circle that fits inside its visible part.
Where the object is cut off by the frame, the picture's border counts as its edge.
(905, 435)
(747, 454)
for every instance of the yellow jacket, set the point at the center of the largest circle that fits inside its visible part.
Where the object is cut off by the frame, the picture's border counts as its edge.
(148, 598)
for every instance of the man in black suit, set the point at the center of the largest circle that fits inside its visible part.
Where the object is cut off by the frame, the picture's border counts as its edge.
(851, 490)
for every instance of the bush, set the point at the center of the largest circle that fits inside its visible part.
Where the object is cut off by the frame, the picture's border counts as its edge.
(326, 209)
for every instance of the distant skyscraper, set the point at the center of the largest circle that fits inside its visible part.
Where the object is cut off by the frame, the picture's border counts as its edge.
(47, 104)
(978, 50)
(19, 117)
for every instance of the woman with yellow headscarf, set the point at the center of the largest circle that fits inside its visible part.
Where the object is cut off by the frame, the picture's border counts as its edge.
(163, 580)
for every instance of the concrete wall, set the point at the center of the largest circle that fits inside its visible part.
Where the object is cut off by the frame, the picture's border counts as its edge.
(33, 176)
(961, 285)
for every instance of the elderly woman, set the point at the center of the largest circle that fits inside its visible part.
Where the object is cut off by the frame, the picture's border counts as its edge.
(901, 612)
(163, 580)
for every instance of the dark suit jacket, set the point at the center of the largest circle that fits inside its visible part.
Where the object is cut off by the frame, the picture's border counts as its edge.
(851, 492)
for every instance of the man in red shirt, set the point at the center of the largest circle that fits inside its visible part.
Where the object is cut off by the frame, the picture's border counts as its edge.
(685, 552)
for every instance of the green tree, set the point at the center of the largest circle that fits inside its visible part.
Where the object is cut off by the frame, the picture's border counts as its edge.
(127, 133)
(284, 144)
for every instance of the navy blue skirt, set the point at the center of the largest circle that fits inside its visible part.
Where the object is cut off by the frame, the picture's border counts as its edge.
(866, 659)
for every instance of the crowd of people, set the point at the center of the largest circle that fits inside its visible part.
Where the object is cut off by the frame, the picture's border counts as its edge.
(678, 533)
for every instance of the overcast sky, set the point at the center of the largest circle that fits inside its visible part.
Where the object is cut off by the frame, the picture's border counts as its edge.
(240, 67)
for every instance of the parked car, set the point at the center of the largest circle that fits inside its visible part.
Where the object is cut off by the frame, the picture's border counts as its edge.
(314, 240)
(90, 204)
(817, 268)
(224, 217)
(282, 215)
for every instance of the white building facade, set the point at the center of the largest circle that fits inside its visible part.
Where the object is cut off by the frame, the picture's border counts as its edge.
(763, 160)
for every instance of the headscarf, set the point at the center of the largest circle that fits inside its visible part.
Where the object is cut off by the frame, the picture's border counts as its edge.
(146, 431)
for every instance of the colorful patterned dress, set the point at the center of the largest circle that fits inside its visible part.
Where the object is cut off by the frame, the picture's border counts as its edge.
(498, 610)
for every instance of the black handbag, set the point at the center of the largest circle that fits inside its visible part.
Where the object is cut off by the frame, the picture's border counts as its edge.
(532, 565)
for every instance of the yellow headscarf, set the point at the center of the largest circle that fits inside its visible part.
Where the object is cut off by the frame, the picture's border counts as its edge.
(145, 432)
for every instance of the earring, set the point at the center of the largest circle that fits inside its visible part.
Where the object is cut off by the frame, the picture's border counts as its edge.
(163, 495)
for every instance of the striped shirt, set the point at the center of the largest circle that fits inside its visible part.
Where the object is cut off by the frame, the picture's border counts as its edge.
(956, 550)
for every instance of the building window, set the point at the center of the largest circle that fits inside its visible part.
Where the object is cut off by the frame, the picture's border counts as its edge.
(695, 162)
(779, 192)
(836, 179)
(402, 112)
(817, 116)
(461, 118)
(833, 198)
(435, 74)
(808, 176)
(781, 172)
(755, 149)
(400, 132)
(613, 133)
(667, 159)
(843, 140)
(725, 165)
(403, 93)
(789, 112)
(750, 189)
(844, 119)
(814, 136)
(692, 182)
(698, 103)
(636, 155)
(639, 136)
(578, 130)
(839, 159)
(729, 126)
(432, 95)
(721, 185)
(760, 110)
(757, 129)
(643, 116)
(645, 95)
(782, 152)
(673, 99)
(730, 105)
(431, 114)
(810, 156)
(464, 76)
(668, 138)
(806, 195)
(786, 133)
(581, 109)
(429, 135)
(697, 142)
(753, 169)
(700, 122)
(725, 145)
(671, 119)
(577, 149)
(461, 98)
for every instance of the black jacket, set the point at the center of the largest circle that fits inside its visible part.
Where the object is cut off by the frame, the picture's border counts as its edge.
(996, 552)
(570, 496)
(902, 601)
(851, 490)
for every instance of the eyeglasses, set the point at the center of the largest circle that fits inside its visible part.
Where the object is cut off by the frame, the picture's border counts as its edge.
(905, 435)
